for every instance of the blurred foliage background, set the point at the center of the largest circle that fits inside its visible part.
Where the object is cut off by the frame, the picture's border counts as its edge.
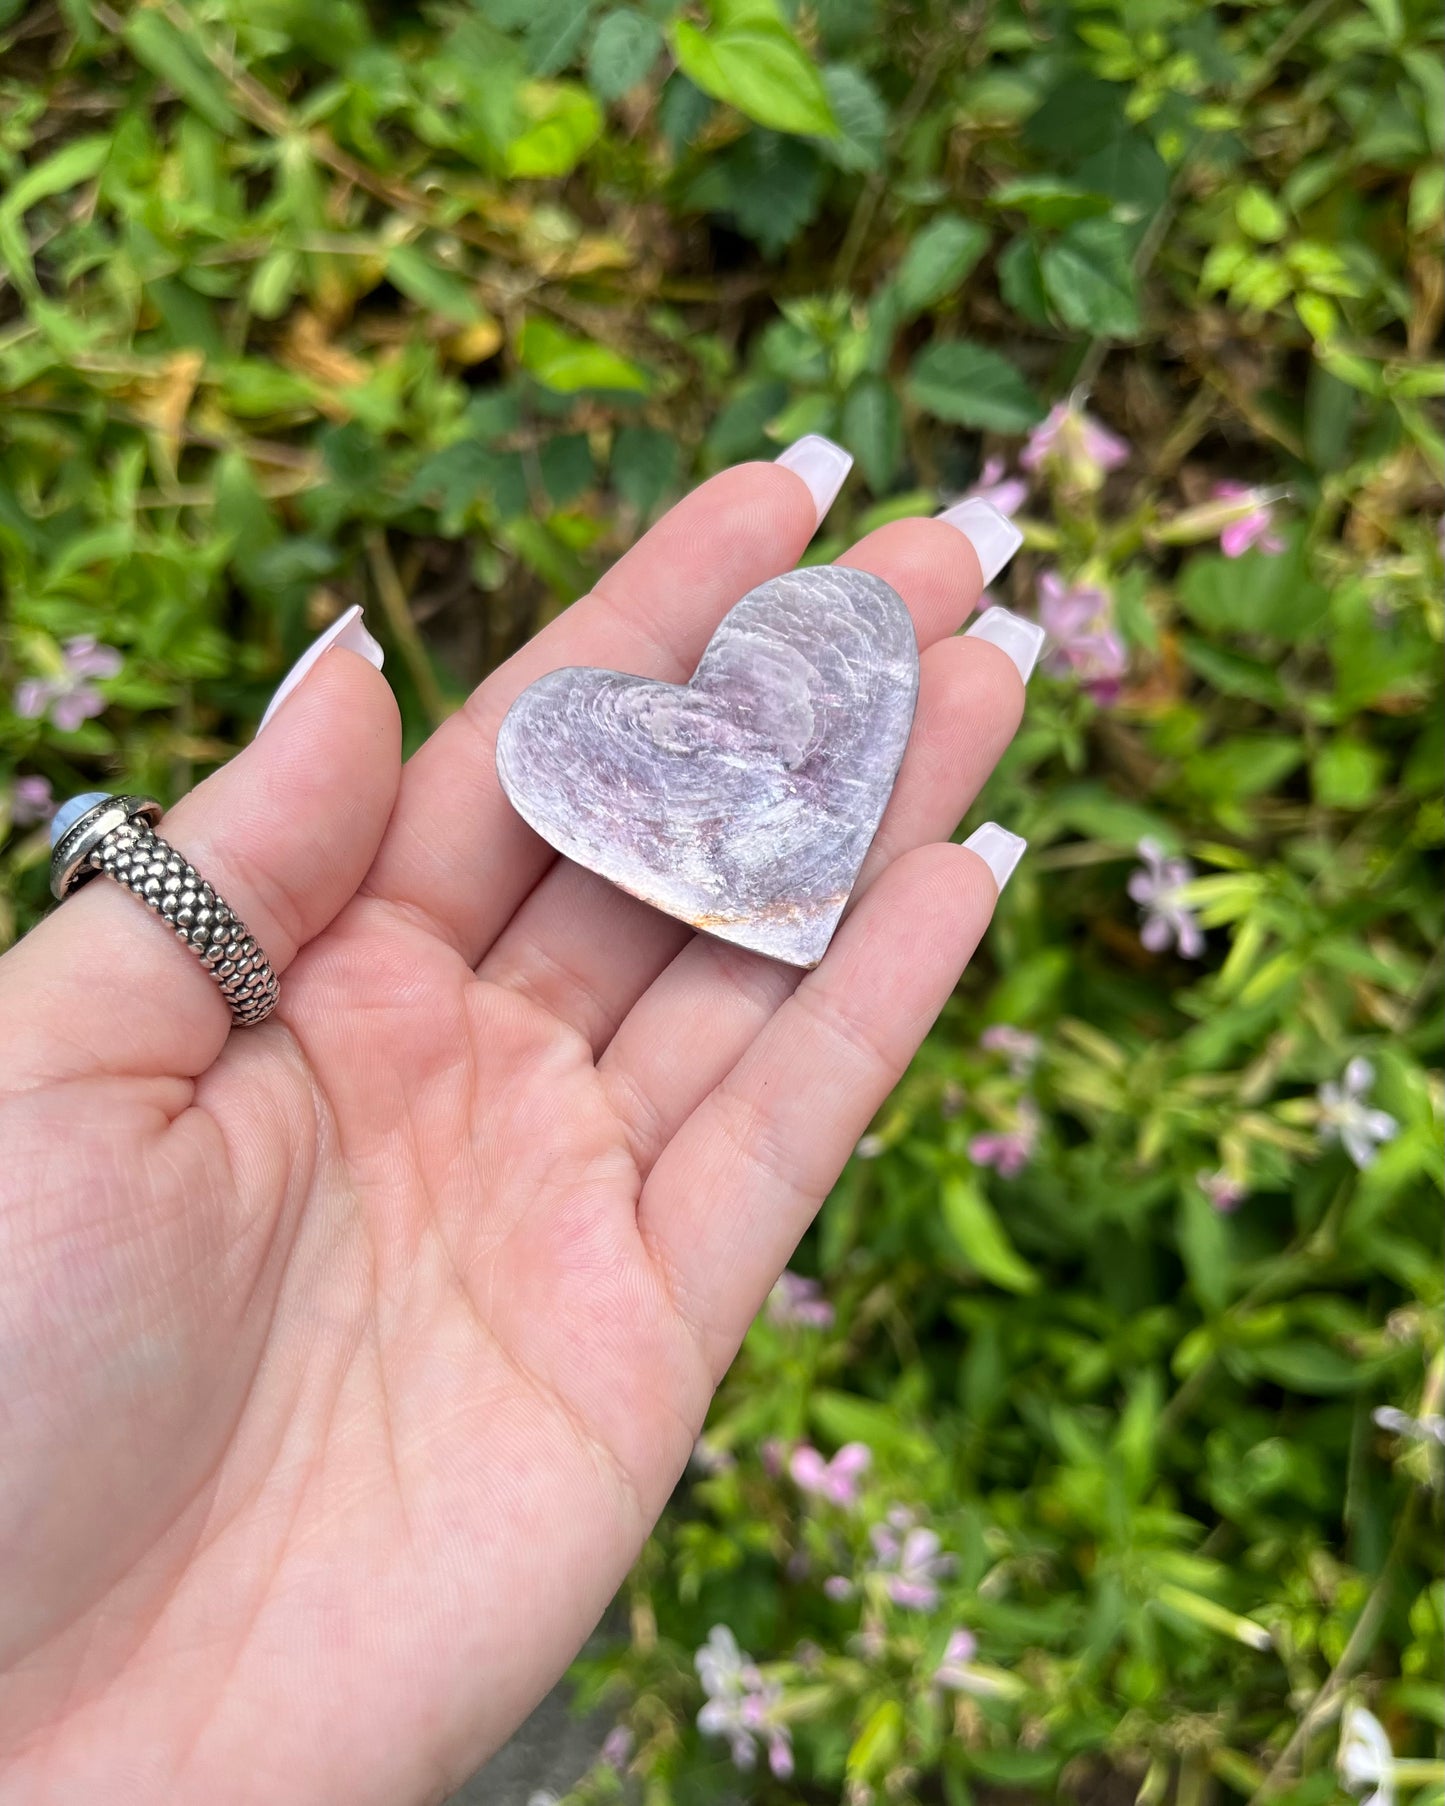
(1095, 1450)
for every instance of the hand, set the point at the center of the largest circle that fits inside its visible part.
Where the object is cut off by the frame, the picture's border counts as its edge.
(350, 1359)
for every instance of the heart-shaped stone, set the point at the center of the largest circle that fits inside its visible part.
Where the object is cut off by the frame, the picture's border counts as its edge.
(743, 801)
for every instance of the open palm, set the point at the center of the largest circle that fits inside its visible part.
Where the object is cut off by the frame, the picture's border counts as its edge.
(349, 1360)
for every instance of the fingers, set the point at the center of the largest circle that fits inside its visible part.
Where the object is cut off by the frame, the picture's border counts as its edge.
(698, 1019)
(570, 946)
(456, 852)
(734, 1190)
(583, 950)
(284, 833)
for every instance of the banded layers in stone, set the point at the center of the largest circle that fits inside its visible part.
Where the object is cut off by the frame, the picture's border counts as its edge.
(743, 801)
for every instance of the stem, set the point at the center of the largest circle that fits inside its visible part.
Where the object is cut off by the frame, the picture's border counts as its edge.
(1352, 1656)
(403, 628)
(867, 207)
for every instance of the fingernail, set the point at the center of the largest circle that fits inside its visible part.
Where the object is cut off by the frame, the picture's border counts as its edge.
(991, 533)
(822, 466)
(347, 630)
(1022, 640)
(998, 849)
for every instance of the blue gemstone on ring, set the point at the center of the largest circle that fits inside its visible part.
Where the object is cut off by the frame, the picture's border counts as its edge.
(68, 814)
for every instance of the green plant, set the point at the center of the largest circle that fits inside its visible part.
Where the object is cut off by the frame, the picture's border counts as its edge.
(310, 304)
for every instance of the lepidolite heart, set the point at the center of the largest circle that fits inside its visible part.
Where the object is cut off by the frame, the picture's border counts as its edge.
(743, 801)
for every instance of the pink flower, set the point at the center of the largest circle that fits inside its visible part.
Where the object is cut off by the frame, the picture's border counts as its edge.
(617, 1747)
(1079, 621)
(1008, 1152)
(1156, 890)
(836, 1480)
(911, 1566)
(1007, 493)
(1253, 529)
(953, 1671)
(1018, 1047)
(1074, 445)
(1224, 1193)
(741, 1704)
(31, 801)
(799, 1301)
(71, 697)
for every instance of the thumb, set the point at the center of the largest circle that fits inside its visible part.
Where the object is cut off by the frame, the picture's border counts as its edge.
(284, 834)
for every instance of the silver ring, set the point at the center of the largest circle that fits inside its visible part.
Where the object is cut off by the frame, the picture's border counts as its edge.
(116, 835)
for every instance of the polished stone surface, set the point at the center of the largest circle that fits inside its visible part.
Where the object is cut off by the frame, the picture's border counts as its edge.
(743, 801)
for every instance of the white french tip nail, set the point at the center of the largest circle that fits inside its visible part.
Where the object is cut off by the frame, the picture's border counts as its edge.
(348, 630)
(822, 465)
(998, 849)
(1022, 640)
(990, 532)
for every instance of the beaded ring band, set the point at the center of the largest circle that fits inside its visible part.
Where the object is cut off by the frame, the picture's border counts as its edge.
(116, 835)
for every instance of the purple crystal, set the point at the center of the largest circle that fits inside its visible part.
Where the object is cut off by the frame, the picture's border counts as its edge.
(741, 802)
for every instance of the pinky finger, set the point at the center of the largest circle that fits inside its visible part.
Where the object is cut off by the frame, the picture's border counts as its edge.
(730, 1196)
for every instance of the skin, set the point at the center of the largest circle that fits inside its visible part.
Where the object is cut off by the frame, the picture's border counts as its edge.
(350, 1359)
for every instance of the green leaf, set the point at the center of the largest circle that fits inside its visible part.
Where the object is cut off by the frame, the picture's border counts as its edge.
(861, 117)
(873, 430)
(1311, 1367)
(1231, 673)
(1130, 171)
(875, 1749)
(1050, 200)
(771, 184)
(972, 386)
(1022, 281)
(465, 475)
(1260, 215)
(682, 112)
(936, 262)
(1248, 765)
(844, 1417)
(564, 362)
(422, 280)
(1095, 812)
(624, 49)
(555, 32)
(644, 466)
(565, 123)
(1089, 278)
(154, 41)
(1259, 593)
(274, 283)
(1079, 115)
(980, 1237)
(1015, 1768)
(565, 463)
(1204, 1243)
(75, 163)
(846, 24)
(1346, 774)
(754, 63)
(740, 429)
